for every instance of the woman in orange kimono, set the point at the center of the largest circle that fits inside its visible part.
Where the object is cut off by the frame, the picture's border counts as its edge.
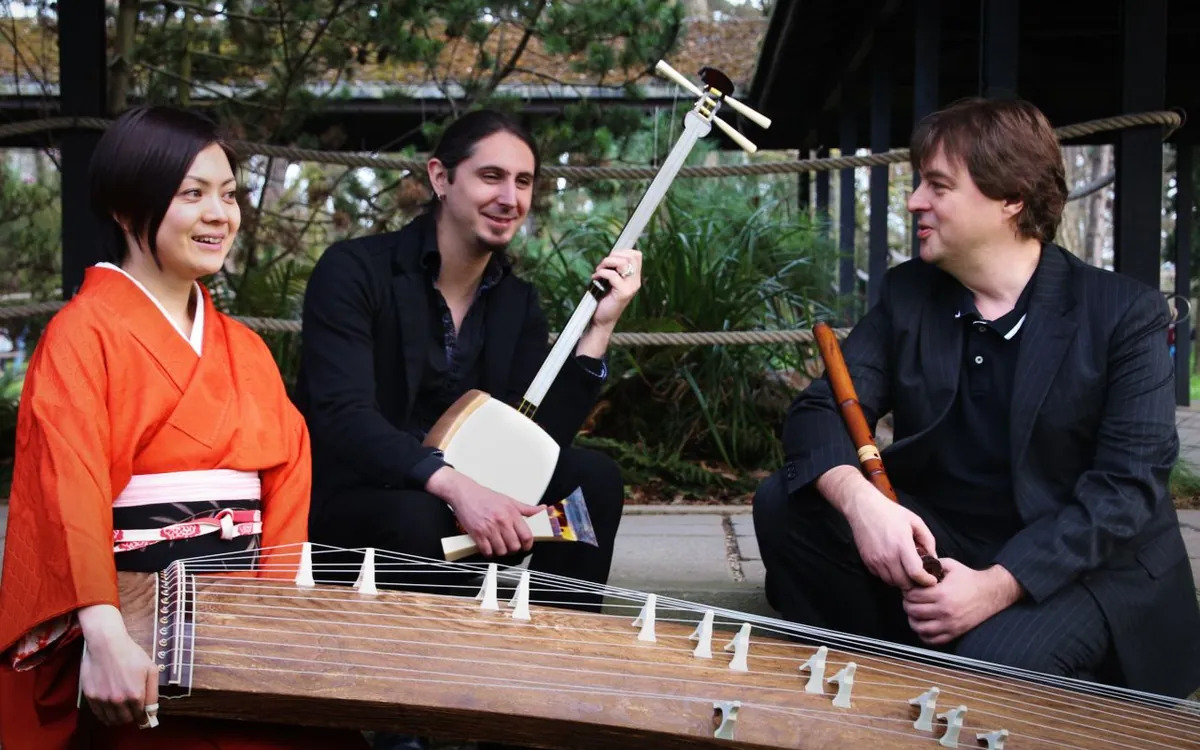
(145, 412)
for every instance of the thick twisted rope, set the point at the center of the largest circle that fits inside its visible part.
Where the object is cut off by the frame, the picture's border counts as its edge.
(1171, 120)
(629, 339)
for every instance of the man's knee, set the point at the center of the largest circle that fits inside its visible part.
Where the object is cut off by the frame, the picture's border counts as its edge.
(770, 509)
(598, 475)
(1017, 645)
(1010, 652)
(404, 521)
(780, 514)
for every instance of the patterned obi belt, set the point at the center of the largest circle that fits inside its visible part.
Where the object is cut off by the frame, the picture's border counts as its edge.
(161, 518)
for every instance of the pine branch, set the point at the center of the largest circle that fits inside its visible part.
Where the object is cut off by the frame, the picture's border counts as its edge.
(507, 70)
(212, 12)
(196, 84)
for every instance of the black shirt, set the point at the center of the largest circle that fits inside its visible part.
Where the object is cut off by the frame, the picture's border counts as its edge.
(971, 479)
(453, 356)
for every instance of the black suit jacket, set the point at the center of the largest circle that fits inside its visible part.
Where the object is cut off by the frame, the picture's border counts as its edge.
(1093, 440)
(366, 324)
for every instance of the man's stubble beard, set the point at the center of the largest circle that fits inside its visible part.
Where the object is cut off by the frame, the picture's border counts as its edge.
(496, 248)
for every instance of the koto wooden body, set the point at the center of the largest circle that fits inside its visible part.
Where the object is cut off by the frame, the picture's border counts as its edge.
(442, 666)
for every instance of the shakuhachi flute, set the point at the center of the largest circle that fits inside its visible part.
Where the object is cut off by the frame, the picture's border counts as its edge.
(860, 432)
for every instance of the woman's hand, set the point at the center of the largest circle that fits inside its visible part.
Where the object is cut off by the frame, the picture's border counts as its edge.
(117, 677)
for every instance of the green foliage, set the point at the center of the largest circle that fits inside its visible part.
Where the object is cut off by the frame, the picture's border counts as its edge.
(30, 225)
(275, 290)
(718, 256)
(265, 70)
(10, 389)
(1185, 485)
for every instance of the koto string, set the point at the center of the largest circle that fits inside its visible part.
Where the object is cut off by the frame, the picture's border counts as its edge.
(816, 714)
(558, 688)
(229, 585)
(767, 624)
(770, 625)
(387, 559)
(977, 697)
(572, 670)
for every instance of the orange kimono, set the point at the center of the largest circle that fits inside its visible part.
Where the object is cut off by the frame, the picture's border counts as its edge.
(114, 393)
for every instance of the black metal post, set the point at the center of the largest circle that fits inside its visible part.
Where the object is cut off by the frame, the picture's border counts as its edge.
(1138, 213)
(82, 86)
(804, 189)
(881, 121)
(999, 37)
(847, 211)
(925, 76)
(1184, 205)
(822, 196)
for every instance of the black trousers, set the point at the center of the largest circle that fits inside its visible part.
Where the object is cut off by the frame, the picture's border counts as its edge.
(816, 577)
(414, 522)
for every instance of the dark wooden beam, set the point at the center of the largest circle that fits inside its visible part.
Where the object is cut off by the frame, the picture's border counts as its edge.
(881, 127)
(81, 62)
(1184, 206)
(857, 52)
(928, 38)
(804, 189)
(822, 196)
(999, 39)
(759, 93)
(848, 219)
(1138, 212)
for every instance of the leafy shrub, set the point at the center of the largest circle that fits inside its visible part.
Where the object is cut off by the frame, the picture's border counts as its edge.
(716, 258)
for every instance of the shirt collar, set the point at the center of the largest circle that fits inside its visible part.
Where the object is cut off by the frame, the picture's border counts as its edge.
(196, 339)
(1006, 325)
(499, 265)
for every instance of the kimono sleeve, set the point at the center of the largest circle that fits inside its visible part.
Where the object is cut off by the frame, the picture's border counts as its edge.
(286, 493)
(58, 553)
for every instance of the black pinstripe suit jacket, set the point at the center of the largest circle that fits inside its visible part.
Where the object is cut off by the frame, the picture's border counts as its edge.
(1093, 440)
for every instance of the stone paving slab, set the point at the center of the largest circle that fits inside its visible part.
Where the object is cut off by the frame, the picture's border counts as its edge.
(743, 527)
(671, 552)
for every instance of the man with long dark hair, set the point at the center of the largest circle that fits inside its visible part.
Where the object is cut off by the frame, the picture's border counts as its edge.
(397, 326)
(1033, 401)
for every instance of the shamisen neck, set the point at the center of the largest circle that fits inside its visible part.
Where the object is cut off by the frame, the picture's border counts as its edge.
(696, 126)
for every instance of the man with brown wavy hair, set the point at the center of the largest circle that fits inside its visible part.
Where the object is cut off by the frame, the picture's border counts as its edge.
(1034, 417)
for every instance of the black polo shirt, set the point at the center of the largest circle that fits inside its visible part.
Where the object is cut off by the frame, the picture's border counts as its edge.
(971, 480)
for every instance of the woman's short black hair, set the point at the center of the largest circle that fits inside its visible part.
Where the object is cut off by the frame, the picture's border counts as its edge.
(138, 166)
(458, 141)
